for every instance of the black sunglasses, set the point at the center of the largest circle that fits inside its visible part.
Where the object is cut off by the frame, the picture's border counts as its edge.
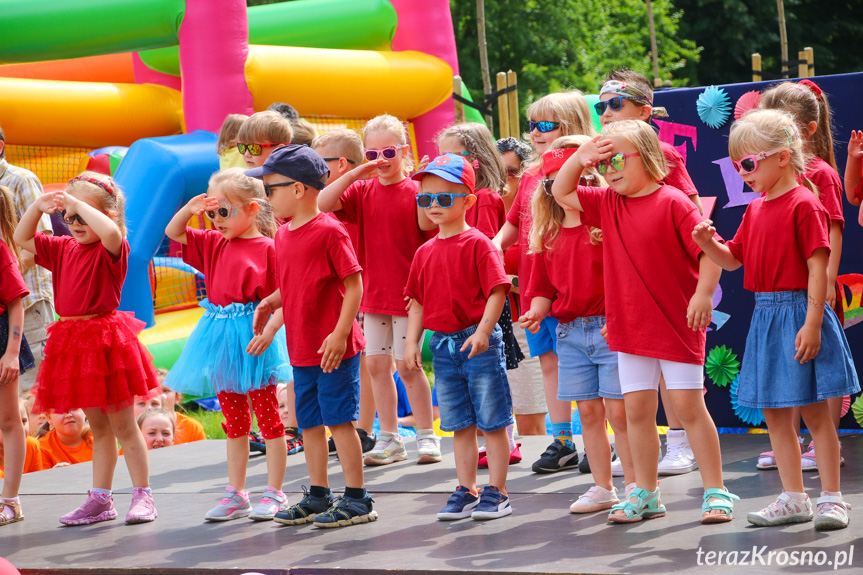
(615, 104)
(444, 200)
(72, 219)
(348, 160)
(268, 188)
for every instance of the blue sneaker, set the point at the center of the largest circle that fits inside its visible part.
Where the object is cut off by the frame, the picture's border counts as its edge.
(492, 505)
(459, 506)
(348, 511)
(305, 511)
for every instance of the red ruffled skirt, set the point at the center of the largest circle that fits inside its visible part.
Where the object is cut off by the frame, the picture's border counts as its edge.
(95, 363)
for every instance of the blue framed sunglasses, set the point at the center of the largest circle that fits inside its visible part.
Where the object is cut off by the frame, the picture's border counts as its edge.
(543, 127)
(444, 199)
(615, 103)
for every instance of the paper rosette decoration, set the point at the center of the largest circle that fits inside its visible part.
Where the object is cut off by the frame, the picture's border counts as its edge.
(746, 102)
(722, 365)
(846, 405)
(713, 107)
(857, 409)
(748, 415)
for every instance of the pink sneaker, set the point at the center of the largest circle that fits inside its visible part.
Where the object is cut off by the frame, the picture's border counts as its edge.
(514, 456)
(143, 509)
(97, 508)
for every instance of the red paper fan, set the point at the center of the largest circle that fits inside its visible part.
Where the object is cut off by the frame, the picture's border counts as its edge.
(746, 102)
(846, 405)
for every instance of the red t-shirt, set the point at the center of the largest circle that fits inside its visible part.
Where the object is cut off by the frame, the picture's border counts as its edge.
(11, 281)
(87, 280)
(651, 270)
(570, 275)
(520, 216)
(240, 270)
(776, 237)
(677, 176)
(452, 279)
(389, 236)
(829, 186)
(488, 213)
(313, 261)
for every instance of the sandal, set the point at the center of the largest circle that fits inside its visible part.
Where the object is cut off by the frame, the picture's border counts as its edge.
(723, 500)
(16, 509)
(647, 506)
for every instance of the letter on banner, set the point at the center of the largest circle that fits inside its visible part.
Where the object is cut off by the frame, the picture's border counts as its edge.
(734, 185)
(668, 130)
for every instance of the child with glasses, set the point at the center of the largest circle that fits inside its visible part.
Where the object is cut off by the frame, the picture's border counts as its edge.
(223, 356)
(226, 145)
(260, 134)
(380, 198)
(323, 336)
(627, 95)
(657, 308)
(93, 359)
(796, 351)
(566, 283)
(553, 116)
(457, 287)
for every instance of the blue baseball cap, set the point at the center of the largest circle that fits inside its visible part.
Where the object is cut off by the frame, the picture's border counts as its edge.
(300, 163)
(452, 168)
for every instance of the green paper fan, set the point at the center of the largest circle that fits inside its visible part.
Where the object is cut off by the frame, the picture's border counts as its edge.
(722, 365)
(857, 410)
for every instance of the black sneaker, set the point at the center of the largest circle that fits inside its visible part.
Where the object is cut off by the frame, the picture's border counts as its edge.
(306, 510)
(331, 446)
(367, 441)
(558, 457)
(583, 465)
(348, 511)
(257, 443)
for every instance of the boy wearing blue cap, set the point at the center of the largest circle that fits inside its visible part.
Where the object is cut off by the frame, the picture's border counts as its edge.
(458, 286)
(318, 270)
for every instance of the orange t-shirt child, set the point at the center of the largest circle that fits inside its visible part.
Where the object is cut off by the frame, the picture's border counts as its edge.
(55, 451)
(188, 429)
(32, 459)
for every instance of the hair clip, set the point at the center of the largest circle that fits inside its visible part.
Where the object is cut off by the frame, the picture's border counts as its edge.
(658, 112)
(476, 164)
(812, 86)
(102, 185)
(791, 133)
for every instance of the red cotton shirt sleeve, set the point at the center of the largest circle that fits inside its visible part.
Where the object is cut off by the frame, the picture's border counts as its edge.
(48, 249)
(590, 198)
(829, 187)
(488, 213)
(11, 281)
(540, 285)
(678, 176)
(198, 250)
(351, 201)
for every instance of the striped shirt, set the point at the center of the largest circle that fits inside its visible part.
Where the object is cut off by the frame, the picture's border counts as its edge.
(26, 189)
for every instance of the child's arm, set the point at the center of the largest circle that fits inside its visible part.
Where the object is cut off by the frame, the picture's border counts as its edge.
(329, 200)
(853, 166)
(262, 341)
(176, 228)
(539, 308)
(413, 355)
(506, 237)
(265, 309)
(565, 187)
(27, 227)
(101, 224)
(719, 253)
(696, 199)
(334, 345)
(808, 341)
(478, 342)
(9, 366)
(700, 309)
(833, 262)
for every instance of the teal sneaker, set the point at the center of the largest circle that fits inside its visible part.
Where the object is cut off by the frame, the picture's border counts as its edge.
(348, 511)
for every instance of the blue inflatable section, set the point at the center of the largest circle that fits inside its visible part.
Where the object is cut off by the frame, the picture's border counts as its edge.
(158, 176)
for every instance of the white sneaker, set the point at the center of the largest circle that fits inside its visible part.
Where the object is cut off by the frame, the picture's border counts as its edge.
(832, 513)
(271, 503)
(782, 511)
(678, 455)
(388, 449)
(428, 448)
(596, 499)
(616, 465)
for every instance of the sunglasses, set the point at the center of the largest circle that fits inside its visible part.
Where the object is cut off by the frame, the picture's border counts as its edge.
(749, 164)
(268, 188)
(387, 153)
(225, 212)
(444, 200)
(256, 149)
(72, 219)
(543, 127)
(615, 104)
(547, 183)
(513, 172)
(617, 161)
(348, 160)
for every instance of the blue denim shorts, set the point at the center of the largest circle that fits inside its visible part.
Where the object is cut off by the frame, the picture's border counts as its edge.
(327, 398)
(475, 391)
(771, 378)
(545, 340)
(587, 369)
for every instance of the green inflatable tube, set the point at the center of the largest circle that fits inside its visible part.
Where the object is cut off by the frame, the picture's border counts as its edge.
(54, 29)
(337, 24)
(470, 114)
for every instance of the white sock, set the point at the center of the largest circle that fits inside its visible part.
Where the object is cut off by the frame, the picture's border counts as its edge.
(509, 430)
(147, 490)
(797, 496)
(832, 494)
(425, 432)
(102, 492)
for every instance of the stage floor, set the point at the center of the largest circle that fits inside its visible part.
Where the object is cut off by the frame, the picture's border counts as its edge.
(541, 536)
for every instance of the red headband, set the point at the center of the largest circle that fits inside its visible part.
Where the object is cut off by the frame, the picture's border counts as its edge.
(812, 86)
(553, 160)
(102, 185)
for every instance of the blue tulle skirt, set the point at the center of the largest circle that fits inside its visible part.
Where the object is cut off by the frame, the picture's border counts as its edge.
(215, 359)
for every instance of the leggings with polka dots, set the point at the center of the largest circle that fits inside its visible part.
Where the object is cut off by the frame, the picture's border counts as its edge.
(238, 417)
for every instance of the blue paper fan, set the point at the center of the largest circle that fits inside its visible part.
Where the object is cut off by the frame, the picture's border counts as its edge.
(749, 415)
(714, 107)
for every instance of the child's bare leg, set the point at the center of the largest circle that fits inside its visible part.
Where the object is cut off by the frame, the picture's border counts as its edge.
(384, 388)
(835, 406)
(592, 415)
(668, 406)
(497, 451)
(277, 459)
(530, 423)
(104, 448)
(350, 453)
(466, 456)
(616, 413)
(819, 422)
(14, 441)
(559, 411)
(134, 448)
(701, 431)
(238, 461)
(643, 439)
(786, 450)
(419, 394)
(367, 398)
(316, 452)
(291, 399)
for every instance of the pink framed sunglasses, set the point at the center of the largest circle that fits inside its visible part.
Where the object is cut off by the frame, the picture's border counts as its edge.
(749, 164)
(388, 153)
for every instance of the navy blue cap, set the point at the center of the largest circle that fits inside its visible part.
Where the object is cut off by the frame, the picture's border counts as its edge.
(300, 163)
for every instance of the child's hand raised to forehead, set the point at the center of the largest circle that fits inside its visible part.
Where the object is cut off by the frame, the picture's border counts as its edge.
(366, 171)
(201, 203)
(48, 203)
(423, 163)
(703, 233)
(594, 151)
(855, 145)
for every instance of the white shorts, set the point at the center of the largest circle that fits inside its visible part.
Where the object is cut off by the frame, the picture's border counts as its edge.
(386, 335)
(638, 373)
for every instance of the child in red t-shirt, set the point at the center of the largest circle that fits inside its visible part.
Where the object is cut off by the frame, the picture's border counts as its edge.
(566, 283)
(380, 198)
(810, 109)
(260, 134)
(457, 287)
(93, 359)
(16, 359)
(657, 309)
(627, 95)
(223, 356)
(784, 243)
(320, 287)
(552, 116)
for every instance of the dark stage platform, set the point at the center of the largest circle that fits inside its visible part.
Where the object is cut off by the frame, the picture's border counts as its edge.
(541, 536)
